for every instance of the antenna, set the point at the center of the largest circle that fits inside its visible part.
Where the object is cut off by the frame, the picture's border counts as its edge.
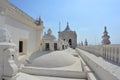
(95, 41)
(59, 27)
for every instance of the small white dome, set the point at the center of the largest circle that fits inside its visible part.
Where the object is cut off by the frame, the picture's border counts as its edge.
(53, 60)
(49, 31)
(49, 35)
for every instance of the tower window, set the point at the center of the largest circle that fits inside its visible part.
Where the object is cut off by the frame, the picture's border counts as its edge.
(55, 46)
(70, 42)
(47, 47)
(62, 46)
(20, 46)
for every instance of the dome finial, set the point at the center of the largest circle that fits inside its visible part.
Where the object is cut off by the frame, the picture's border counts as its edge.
(67, 23)
(105, 29)
(67, 27)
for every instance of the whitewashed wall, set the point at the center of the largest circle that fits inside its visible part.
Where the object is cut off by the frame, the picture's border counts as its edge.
(21, 27)
(20, 31)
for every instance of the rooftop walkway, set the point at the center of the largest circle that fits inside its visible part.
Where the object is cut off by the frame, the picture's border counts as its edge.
(105, 70)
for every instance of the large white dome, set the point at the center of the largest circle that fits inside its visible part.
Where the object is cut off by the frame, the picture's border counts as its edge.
(53, 60)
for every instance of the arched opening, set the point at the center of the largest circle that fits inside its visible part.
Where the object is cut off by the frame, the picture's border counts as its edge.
(47, 46)
(70, 42)
(55, 46)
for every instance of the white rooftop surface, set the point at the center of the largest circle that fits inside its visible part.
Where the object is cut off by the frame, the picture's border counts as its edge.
(23, 76)
(111, 67)
(71, 51)
(56, 59)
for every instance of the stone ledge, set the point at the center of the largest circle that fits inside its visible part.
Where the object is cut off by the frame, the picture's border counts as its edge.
(54, 72)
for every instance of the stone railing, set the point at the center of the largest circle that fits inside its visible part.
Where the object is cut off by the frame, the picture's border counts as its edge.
(92, 49)
(109, 52)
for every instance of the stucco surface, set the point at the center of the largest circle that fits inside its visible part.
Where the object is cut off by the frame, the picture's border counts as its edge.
(53, 59)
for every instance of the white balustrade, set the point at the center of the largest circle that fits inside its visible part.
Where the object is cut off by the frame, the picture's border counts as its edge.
(109, 52)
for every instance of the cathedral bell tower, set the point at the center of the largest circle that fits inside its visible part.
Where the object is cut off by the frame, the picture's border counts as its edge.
(69, 36)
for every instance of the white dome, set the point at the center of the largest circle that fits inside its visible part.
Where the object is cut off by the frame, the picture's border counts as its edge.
(54, 59)
(49, 37)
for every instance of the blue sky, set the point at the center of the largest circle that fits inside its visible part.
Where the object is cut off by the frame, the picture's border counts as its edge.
(86, 17)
